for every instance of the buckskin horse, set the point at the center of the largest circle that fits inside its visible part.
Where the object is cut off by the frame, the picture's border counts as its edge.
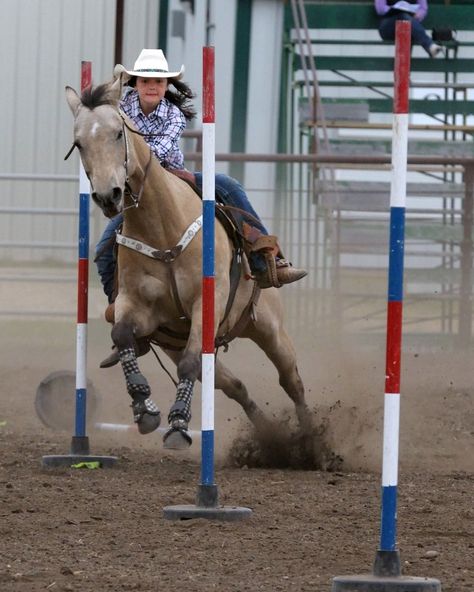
(159, 295)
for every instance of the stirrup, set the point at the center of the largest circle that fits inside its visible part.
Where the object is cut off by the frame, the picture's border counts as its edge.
(266, 245)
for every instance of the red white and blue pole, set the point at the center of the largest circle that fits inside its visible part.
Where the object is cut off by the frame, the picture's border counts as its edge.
(395, 288)
(80, 450)
(387, 575)
(82, 283)
(208, 273)
(207, 495)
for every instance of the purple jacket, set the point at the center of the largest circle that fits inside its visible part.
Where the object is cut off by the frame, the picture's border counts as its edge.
(382, 8)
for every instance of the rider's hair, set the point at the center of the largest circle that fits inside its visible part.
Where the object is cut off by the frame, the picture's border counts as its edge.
(181, 98)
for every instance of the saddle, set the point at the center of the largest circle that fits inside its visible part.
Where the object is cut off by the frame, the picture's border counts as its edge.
(245, 237)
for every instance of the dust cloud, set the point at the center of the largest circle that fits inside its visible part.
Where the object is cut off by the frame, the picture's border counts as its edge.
(343, 375)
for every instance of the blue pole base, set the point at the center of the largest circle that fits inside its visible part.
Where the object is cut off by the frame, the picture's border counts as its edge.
(372, 583)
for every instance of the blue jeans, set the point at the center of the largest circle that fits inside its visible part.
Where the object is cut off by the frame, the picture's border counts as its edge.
(418, 33)
(105, 256)
(231, 193)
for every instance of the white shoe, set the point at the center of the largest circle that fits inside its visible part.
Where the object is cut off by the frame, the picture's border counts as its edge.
(434, 50)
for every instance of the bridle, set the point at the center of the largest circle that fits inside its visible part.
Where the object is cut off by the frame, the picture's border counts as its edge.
(135, 197)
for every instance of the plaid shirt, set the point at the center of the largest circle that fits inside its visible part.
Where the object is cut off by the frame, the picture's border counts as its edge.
(166, 120)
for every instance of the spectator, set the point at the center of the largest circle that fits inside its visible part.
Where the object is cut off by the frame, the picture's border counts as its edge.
(391, 11)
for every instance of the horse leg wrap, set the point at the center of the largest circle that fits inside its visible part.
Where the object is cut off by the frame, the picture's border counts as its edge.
(182, 406)
(137, 384)
(145, 413)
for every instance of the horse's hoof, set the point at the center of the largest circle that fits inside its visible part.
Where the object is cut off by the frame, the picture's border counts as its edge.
(177, 437)
(146, 415)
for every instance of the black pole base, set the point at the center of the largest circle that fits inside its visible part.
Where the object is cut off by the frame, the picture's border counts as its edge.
(387, 563)
(372, 583)
(80, 453)
(207, 496)
(206, 507)
(386, 578)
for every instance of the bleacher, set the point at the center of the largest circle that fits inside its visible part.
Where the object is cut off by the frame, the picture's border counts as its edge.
(354, 79)
(342, 29)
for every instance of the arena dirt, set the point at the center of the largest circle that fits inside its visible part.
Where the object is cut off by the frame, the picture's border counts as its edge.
(98, 530)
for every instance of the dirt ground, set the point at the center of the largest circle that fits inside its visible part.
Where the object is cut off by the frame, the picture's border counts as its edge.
(96, 530)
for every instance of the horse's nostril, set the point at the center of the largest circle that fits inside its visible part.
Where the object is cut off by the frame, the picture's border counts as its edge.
(117, 194)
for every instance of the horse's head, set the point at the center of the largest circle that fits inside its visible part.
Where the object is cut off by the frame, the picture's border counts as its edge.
(99, 134)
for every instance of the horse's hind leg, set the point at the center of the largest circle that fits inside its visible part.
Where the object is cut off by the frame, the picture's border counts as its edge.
(237, 391)
(279, 349)
(145, 413)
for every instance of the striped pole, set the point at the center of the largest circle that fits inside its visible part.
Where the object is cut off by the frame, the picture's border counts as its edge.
(208, 209)
(395, 288)
(82, 293)
(387, 576)
(80, 449)
(207, 495)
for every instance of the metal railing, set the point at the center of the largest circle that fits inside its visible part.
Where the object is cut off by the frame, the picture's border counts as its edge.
(315, 237)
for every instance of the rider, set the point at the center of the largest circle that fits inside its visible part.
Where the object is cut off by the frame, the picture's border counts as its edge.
(160, 113)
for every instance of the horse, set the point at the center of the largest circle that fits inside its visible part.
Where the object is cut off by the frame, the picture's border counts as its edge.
(160, 295)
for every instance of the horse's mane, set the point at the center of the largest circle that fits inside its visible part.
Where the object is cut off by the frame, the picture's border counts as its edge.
(94, 96)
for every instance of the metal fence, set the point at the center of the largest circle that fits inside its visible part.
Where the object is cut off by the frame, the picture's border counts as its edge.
(344, 250)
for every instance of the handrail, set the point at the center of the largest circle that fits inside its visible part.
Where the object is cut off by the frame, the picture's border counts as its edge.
(37, 177)
(323, 159)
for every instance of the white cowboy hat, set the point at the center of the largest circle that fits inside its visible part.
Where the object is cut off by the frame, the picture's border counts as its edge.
(151, 63)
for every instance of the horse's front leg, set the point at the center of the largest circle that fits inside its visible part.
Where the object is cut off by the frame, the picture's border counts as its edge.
(145, 413)
(189, 368)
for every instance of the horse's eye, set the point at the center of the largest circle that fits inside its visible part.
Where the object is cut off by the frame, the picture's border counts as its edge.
(120, 135)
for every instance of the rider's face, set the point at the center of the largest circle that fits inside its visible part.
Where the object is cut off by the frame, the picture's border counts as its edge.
(150, 92)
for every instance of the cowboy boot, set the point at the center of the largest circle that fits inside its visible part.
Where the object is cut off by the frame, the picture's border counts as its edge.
(288, 274)
(283, 273)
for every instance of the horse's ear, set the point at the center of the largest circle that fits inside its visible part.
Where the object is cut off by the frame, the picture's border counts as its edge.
(115, 90)
(73, 100)
(120, 80)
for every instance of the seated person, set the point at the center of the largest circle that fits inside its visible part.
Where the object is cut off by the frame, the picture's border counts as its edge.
(391, 11)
